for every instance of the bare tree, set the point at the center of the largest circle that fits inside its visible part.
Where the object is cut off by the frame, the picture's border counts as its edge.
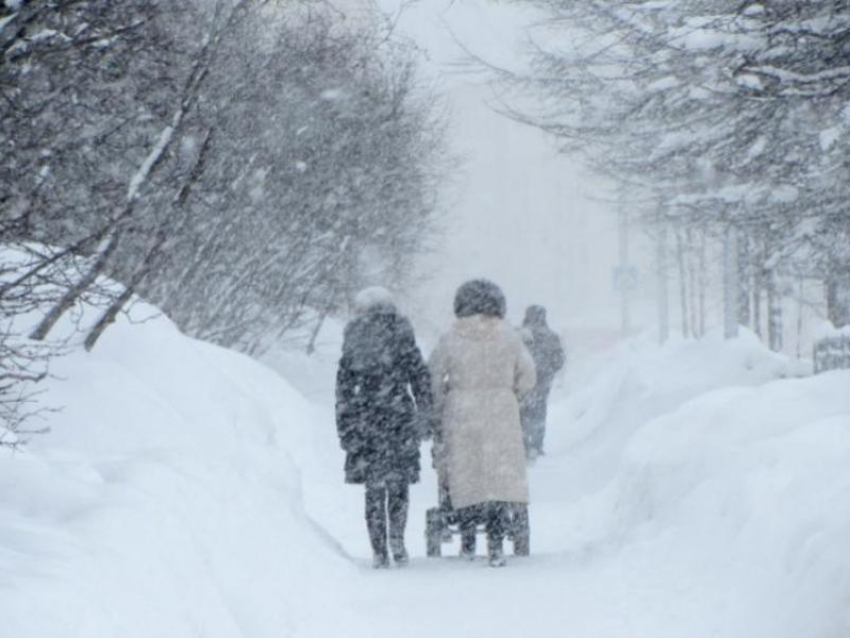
(243, 163)
(724, 113)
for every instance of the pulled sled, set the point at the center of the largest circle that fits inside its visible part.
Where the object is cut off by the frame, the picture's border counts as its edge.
(442, 524)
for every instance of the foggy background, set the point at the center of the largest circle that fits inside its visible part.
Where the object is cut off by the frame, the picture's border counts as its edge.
(518, 213)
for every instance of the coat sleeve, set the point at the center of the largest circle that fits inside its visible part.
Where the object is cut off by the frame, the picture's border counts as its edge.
(438, 366)
(525, 374)
(419, 378)
(559, 355)
(346, 407)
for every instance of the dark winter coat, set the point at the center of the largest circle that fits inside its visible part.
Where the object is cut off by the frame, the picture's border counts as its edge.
(383, 399)
(545, 347)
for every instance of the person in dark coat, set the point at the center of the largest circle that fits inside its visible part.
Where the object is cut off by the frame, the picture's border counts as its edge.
(549, 357)
(383, 408)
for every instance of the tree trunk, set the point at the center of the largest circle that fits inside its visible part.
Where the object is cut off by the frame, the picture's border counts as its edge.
(155, 251)
(108, 317)
(801, 307)
(757, 306)
(683, 289)
(758, 286)
(838, 296)
(663, 291)
(77, 290)
(111, 313)
(703, 281)
(625, 292)
(744, 279)
(774, 313)
(314, 334)
(693, 291)
(730, 282)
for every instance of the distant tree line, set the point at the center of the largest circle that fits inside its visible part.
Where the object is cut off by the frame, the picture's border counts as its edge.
(242, 164)
(727, 122)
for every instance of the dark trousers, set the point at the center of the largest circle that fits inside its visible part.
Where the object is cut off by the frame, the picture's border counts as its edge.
(386, 506)
(496, 518)
(533, 415)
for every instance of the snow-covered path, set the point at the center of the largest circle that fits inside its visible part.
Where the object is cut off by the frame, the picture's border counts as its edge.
(449, 597)
(622, 547)
(553, 589)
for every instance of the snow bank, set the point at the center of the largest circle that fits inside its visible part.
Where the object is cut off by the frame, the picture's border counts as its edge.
(607, 398)
(757, 482)
(164, 501)
(714, 480)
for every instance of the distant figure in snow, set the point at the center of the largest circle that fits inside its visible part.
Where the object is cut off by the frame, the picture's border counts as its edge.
(383, 408)
(480, 370)
(549, 357)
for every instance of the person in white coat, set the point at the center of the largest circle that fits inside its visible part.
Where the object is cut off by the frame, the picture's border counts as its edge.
(480, 371)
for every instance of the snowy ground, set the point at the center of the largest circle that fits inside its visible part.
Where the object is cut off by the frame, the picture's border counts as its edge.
(698, 490)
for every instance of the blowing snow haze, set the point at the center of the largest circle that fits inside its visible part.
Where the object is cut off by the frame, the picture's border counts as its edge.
(264, 371)
(531, 220)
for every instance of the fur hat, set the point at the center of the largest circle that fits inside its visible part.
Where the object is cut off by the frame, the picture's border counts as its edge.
(480, 297)
(374, 298)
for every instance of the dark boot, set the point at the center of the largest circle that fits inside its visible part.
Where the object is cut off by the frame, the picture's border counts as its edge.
(496, 553)
(468, 518)
(467, 544)
(398, 495)
(497, 523)
(520, 529)
(376, 523)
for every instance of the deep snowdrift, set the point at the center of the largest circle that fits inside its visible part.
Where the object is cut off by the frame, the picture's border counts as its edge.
(163, 502)
(715, 481)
